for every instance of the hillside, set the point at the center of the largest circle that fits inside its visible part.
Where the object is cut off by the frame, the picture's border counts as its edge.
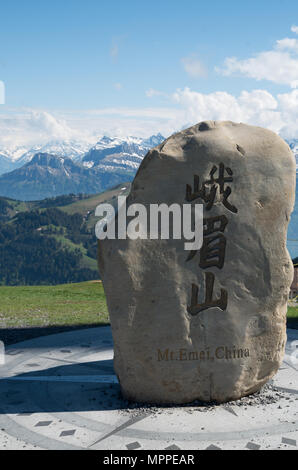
(50, 241)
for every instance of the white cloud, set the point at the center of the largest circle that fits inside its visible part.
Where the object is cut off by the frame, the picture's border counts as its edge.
(287, 43)
(194, 67)
(257, 107)
(45, 123)
(27, 127)
(30, 127)
(279, 65)
(186, 107)
(294, 29)
(288, 105)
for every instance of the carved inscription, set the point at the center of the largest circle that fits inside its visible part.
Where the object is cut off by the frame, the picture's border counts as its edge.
(212, 252)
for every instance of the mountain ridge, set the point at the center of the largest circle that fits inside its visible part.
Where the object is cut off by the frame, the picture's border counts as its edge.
(107, 163)
(74, 149)
(49, 175)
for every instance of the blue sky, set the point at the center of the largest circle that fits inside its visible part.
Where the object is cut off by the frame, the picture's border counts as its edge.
(139, 67)
(72, 53)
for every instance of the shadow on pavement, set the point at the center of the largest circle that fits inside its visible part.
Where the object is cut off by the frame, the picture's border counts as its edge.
(28, 397)
(15, 335)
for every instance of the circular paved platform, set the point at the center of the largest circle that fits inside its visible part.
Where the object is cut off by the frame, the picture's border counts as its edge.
(60, 392)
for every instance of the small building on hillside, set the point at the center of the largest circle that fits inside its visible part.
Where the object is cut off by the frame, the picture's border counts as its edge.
(294, 286)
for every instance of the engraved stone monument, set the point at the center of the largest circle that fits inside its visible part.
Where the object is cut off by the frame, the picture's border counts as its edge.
(207, 324)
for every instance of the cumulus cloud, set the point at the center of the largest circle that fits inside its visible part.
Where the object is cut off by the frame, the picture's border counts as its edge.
(186, 107)
(47, 124)
(30, 127)
(257, 107)
(194, 67)
(23, 128)
(294, 29)
(288, 106)
(287, 44)
(279, 65)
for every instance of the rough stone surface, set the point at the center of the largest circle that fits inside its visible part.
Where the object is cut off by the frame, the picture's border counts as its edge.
(168, 349)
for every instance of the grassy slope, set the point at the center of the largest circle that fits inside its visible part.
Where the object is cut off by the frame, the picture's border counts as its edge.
(86, 262)
(66, 304)
(90, 203)
(82, 206)
(85, 207)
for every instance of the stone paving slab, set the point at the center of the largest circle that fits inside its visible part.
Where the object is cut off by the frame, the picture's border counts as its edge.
(60, 392)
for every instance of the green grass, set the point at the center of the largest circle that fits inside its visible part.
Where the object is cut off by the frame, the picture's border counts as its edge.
(90, 203)
(292, 312)
(78, 304)
(86, 261)
(41, 306)
(69, 244)
(89, 263)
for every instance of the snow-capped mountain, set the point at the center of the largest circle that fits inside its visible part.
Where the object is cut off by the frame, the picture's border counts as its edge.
(69, 149)
(37, 175)
(123, 152)
(126, 153)
(16, 157)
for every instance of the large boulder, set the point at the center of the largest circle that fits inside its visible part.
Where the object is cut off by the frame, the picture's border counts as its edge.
(207, 324)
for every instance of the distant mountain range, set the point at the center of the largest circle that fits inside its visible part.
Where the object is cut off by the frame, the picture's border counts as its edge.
(20, 155)
(66, 168)
(13, 158)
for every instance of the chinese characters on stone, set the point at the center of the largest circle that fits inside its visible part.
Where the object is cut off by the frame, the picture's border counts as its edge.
(212, 253)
